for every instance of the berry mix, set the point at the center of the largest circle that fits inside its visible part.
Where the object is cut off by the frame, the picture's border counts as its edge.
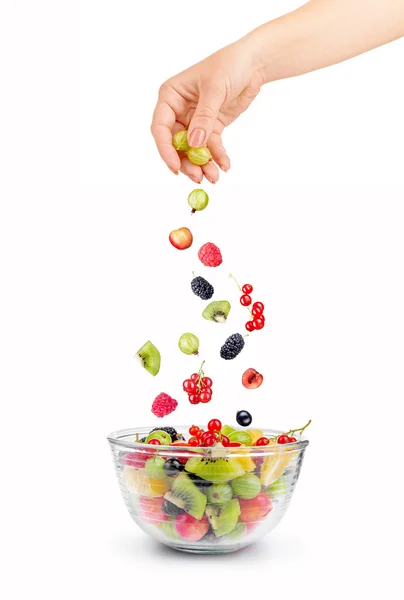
(223, 481)
(218, 496)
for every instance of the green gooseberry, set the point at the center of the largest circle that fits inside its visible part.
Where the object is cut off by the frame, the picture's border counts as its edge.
(242, 437)
(154, 467)
(198, 200)
(188, 343)
(226, 430)
(278, 488)
(161, 436)
(199, 156)
(180, 141)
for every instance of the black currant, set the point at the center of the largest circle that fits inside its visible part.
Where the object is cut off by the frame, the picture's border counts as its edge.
(172, 467)
(244, 418)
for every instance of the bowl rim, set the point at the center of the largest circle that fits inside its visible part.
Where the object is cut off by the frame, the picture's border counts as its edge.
(116, 438)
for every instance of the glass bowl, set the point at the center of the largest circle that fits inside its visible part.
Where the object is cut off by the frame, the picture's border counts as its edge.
(216, 500)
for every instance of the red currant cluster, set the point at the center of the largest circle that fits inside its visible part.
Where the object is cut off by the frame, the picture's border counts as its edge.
(198, 387)
(203, 438)
(284, 438)
(256, 311)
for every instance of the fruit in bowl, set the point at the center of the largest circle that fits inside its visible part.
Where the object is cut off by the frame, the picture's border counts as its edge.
(197, 491)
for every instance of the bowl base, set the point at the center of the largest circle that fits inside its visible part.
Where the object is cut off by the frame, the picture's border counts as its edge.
(202, 550)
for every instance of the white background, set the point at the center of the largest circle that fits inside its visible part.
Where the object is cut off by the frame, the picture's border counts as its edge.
(311, 214)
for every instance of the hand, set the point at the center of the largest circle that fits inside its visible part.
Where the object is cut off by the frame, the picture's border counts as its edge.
(205, 99)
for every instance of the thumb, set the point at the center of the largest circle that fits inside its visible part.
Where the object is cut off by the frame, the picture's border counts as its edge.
(203, 122)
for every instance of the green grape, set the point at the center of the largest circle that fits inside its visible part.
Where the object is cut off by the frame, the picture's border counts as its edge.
(198, 200)
(161, 436)
(199, 156)
(226, 430)
(180, 141)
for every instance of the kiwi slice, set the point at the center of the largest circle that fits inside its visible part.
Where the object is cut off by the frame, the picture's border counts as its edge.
(186, 495)
(218, 470)
(223, 519)
(220, 493)
(217, 311)
(149, 357)
(169, 530)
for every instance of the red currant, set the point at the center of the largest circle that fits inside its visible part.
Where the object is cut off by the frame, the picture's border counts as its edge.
(225, 441)
(193, 441)
(207, 382)
(194, 398)
(234, 444)
(204, 436)
(259, 306)
(262, 442)
(245, 300)
(214, 425)
(154, 442)
(210, 440)
(256, 312)
(259, 322)
(193, 430)
(205, 397)
(194, 377)
(247, 288)
(283, 439)
(189, 385)
(250, 326)
(292, 439)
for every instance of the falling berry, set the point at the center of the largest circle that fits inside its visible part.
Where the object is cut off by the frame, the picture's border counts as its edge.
(250, 326)
(245, 300)
(247, 288)
(244, 418)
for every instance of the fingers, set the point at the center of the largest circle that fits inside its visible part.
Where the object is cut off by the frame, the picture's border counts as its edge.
(211, 172)
(190, 170)
(219, 154)
(161, 128)
(211, 98)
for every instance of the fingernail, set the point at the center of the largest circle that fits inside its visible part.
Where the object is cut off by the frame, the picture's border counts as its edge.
(194, 179)
(210, 180)
(197, 138)
(173, 171)
(225, 169)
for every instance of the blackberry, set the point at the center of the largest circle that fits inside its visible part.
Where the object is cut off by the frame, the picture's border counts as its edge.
(202, 288)
(172, 467)
(142, 440)
(232, 346)
(171, 509)
(170, 430)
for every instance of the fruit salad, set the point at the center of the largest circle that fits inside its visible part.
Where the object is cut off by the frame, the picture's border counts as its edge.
(212, 489)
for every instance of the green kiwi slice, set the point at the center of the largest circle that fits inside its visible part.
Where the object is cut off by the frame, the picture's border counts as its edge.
(149, 358)
(223, 519)
(217, 311)
(186, 495)
(218, 470)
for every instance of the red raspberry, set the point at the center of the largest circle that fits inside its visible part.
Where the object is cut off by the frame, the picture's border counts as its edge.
(163, 405)
(210, 255)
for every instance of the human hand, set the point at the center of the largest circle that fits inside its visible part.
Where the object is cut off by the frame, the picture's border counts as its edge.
(205, 99)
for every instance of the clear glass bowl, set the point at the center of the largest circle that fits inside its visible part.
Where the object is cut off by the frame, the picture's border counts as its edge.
(235, 495)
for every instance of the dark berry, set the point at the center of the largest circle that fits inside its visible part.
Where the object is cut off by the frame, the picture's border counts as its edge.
(198, 481)
(172, 467)
(171, 509)
(142, 440)
(202, 288)
(243, 418)
(171, 432)
(232, 346)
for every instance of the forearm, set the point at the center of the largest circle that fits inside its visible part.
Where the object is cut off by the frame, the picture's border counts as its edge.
(322, 33)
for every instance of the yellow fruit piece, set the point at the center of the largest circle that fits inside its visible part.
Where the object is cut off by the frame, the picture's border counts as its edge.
(136, 481)
(275, 465)
(246, 462)
(255, 434)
